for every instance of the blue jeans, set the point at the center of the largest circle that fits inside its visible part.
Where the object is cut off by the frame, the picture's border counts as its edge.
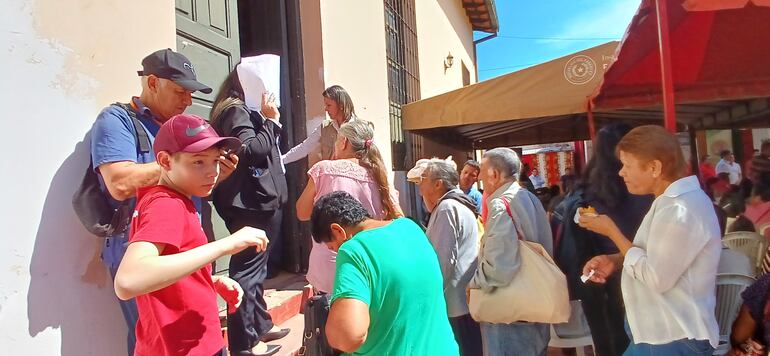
(112, 253)
(683, 347)
(517, 339)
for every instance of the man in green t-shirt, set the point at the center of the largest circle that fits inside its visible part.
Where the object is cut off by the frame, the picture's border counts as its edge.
(388, 291)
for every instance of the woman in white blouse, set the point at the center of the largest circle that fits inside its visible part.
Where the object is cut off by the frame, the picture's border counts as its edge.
(669, 270)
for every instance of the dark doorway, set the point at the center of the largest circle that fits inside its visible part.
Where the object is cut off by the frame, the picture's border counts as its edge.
(273, 27)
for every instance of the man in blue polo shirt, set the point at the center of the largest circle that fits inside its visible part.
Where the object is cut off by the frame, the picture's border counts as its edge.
(468, 177)
(168, 81)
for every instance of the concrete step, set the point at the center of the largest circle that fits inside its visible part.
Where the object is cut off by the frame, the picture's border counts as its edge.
(284, 295)
(291, 344)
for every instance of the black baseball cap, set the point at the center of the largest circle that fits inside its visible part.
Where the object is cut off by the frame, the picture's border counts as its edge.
(175, 67)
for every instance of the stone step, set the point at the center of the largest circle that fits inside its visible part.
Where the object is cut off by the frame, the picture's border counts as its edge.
(291, 344)
(284, 295)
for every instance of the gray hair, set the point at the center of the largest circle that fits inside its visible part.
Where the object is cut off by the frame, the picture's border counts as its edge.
(504, 160)
(444, 171)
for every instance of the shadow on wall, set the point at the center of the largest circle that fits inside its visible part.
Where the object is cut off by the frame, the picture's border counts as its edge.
(70, 288)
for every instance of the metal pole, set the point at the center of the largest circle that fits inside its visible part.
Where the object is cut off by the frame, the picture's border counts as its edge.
(694, 161)
(669, 105)
(591, 125)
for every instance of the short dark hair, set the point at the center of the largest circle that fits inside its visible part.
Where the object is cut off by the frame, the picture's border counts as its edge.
(725, 153)
(472, 163)
(741, 223)
(762, 186)
(555, 190)
(335, 208)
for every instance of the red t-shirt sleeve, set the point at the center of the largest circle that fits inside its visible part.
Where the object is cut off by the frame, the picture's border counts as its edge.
(160, 220)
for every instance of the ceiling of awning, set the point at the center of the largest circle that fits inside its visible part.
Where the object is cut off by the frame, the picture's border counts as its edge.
(711, 115)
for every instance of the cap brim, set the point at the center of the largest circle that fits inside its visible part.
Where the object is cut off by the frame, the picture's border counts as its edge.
(415, 174)
(413, 180)
(227, 143)
(194, 85)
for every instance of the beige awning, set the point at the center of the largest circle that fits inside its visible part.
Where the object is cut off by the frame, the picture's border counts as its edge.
(548, 95)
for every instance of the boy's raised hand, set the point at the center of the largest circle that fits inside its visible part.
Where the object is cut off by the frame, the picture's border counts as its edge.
(246, 237)
(230, 291)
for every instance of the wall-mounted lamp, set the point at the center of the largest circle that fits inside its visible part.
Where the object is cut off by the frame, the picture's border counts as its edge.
(448, 61)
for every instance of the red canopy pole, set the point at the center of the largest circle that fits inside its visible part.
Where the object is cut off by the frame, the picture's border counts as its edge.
(669, 106)
(591, 125)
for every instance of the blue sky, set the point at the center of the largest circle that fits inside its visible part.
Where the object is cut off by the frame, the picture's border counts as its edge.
(533, 32)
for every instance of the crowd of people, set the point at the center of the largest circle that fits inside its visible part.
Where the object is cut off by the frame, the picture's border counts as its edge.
(634, 224)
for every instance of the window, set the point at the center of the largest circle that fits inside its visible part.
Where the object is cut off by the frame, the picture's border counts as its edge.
(403, 76)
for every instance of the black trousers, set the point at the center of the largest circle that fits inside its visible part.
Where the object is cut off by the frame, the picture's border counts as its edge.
(249, 269)
(605, 313)
(467, 334)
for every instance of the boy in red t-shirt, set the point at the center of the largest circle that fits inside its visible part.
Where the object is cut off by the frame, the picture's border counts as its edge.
(167, 266)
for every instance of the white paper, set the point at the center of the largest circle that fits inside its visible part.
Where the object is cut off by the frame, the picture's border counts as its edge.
(257, 75)
(584, 278)
(576, 218)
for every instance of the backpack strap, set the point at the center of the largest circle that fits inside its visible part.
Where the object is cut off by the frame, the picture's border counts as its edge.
(140, 134)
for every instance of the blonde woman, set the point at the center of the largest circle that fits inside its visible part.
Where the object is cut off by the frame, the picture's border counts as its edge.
(339, 107)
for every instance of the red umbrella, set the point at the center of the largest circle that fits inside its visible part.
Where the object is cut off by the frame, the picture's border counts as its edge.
(717, 50)
(711, 5)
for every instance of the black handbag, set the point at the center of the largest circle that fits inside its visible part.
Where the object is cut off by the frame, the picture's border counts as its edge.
(314, 338)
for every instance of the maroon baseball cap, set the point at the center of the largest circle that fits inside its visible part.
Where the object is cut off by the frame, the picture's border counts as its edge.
(190, 133)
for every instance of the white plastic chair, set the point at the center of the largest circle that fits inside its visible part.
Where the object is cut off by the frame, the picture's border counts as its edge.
(762, 228)
(574, 333)
(729, 289)
(749, 243)
(734, 262)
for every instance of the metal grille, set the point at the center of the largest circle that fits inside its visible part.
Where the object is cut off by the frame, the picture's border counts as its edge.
(403, 77)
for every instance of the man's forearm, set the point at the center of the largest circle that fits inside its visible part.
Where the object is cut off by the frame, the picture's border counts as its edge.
(147, 174)
(124, 178)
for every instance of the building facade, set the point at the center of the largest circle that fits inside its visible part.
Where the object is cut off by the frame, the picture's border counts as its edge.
(64, 61)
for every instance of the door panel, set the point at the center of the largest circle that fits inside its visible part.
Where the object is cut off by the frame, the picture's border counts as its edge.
(207, 33)
(184, 8)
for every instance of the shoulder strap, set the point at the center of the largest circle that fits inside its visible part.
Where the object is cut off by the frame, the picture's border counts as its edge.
(510, 213)
(142, 139)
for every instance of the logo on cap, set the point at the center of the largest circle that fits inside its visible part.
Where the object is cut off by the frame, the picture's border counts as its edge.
(190, 67)
(193, 131)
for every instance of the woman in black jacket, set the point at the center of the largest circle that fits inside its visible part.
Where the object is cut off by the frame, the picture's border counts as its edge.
(603, 189)
(253, 196)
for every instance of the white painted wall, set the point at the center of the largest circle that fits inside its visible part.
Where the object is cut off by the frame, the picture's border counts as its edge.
(443, 28)
(61, 62)
(353, 35)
